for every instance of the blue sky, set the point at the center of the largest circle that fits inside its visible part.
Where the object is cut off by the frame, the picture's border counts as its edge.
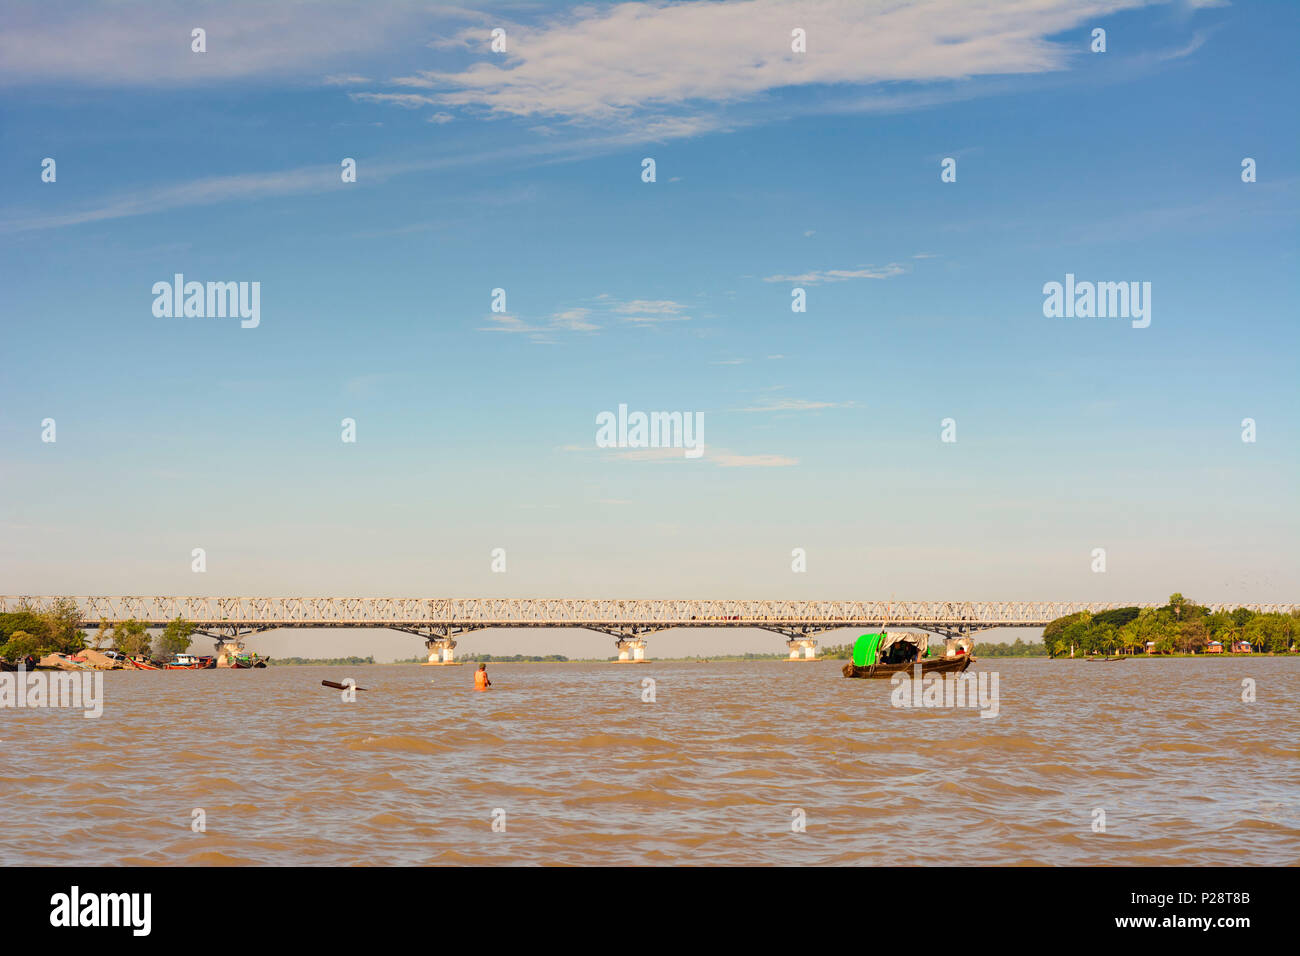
(523, 171)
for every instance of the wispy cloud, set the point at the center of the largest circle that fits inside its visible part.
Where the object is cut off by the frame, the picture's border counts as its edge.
(647, 311)
(345, 79)
(199, 192)
(841, 275)
(574, 320)
(796, 405)
(605, 308)
(505, 322)
(407, 101)
(300, 180)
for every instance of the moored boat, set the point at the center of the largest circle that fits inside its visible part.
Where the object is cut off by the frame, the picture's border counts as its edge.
(884, 654)
(245, 662)
(188, 662)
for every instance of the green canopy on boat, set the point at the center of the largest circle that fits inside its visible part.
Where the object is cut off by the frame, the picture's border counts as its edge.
(866, 649)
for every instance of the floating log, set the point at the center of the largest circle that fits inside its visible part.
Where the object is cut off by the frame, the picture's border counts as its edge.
(337, 686)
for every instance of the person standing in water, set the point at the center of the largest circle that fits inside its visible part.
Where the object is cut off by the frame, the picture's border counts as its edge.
(481, 681)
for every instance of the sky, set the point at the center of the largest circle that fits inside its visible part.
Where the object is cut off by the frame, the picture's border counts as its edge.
(523, 170)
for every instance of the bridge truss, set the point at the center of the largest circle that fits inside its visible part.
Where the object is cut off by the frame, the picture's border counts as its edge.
(446, 618)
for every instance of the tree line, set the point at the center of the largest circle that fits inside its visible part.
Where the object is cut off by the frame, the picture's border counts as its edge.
(28, 632)
(1180, 627)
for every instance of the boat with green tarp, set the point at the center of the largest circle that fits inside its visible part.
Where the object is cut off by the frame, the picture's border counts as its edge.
(886, 654)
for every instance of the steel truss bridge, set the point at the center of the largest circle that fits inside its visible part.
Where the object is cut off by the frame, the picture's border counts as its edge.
(442, 619)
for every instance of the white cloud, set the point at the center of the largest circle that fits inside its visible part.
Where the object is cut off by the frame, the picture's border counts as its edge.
(649, 311)
(585, 319)
(602, 63)
(841, 275)
(574, 320)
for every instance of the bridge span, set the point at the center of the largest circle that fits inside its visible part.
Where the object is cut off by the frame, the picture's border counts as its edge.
(440, 620)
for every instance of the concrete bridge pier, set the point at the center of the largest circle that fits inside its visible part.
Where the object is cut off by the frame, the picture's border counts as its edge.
(228, 650)
(631, 650)
(440, 641)
(802, 649)
(228, 641)
(441, 651)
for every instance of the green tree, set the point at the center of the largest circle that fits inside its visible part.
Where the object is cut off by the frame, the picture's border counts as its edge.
(62, 619)
(20, 644)
(1054, 633)
(52, 630)
(132, 638)
(1117, 617)
(1271, 632)
(1075, 635)
(1103, 637)
(1192, 636)
(175, 638)
(1177, 603)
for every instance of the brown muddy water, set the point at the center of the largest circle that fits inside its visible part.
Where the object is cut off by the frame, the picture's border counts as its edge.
(712, 772)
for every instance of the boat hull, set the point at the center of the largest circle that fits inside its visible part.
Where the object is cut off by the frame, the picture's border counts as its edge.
(202, 664)
(939, 665)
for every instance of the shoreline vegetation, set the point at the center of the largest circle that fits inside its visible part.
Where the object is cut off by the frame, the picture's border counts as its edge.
(1180, 628)
(27, 633)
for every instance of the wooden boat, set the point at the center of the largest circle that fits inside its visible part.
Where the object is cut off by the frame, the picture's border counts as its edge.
(188, 662)
(248, 663)
(1104, 660)
(143, 664)
(932, 665)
